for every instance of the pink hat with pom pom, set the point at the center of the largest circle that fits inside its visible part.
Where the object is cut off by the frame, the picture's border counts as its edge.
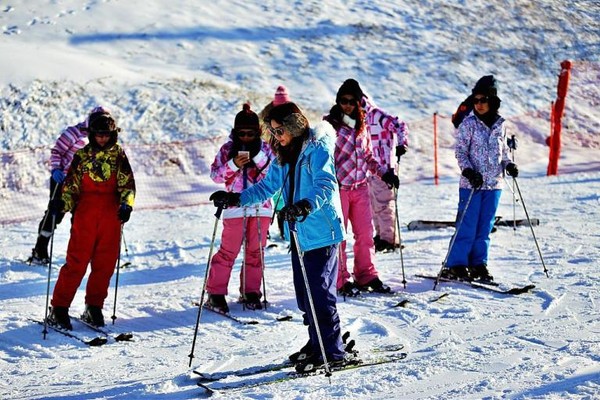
(281, 96)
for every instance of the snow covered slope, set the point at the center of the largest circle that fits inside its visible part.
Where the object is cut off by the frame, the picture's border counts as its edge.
(175, 73)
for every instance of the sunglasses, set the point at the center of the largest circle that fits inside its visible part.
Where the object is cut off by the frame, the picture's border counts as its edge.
(345, 101)
(249, 134)
(103, 133)
(277, 132)
(480, 100)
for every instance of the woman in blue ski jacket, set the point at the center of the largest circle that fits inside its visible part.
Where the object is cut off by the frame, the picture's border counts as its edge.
(482, 155)
(305, 173)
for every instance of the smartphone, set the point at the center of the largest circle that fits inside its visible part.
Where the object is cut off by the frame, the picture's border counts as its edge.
(244, 153)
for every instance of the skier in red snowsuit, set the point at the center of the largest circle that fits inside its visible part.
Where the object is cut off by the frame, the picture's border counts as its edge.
(99, 191)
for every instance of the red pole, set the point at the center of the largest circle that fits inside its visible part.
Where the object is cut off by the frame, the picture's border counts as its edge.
(549, 138)
(435, 155)
(559, 108)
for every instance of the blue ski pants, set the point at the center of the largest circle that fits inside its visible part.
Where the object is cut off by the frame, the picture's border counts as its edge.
(473, 235)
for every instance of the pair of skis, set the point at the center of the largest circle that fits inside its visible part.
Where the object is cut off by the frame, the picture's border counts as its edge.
(268, 374)
(105, 335)
(489, 286)
(420, 225)
(236, 319)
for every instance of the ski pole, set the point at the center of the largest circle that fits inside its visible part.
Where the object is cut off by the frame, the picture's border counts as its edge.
(201, 304)
(127, 264)
(43, 224)
(462, 217)
(244, 254)
(262, 258)
(292, 225)
(398, 226)
(114, 316)
(531, 226)
(514, 204)
(45, 331)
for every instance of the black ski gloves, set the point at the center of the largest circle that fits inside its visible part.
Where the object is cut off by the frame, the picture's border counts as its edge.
(224, 199)
(512, 170)
(296, 212)
(125, 212)
(474, 177)
(391, 179)
(400, 150)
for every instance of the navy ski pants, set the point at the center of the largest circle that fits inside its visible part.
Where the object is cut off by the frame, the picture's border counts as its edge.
(321, 269)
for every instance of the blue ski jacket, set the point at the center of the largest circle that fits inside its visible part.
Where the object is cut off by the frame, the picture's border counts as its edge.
(315, 181)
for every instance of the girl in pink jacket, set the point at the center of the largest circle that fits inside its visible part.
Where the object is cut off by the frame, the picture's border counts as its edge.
(354, 160)
(241, 162)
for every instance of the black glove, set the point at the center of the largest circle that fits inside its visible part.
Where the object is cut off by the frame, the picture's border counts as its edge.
(224, 199)
(56, 206)
(391, 179)
(296, 212)
(512, 170)
(400, 150)
(125, 212)
(512, 142)
(474, 177)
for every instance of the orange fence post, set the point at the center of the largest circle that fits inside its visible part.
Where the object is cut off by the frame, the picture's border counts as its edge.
(557, 114)
(435, 146)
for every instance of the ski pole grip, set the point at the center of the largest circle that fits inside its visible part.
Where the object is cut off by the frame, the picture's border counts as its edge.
(219, 212)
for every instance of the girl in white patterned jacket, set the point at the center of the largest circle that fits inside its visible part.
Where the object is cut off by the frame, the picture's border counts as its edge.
(482, 154)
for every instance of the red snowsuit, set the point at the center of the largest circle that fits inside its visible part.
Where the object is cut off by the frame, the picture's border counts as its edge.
(97, 183)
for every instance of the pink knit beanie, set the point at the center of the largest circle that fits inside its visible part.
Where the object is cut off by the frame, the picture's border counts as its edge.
(281, 96)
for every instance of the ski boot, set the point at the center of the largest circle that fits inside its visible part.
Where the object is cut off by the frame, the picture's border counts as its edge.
(93, 316)
(59, 317)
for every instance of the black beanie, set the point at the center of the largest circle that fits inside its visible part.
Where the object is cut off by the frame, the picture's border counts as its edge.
(102, 122)
(351, 87)
(486, 86)
(246, 119)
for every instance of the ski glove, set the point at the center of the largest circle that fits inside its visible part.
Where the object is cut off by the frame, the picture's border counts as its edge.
(512, 170)
(400, 150)
(125, 212)
(223, 199)
(56, 205)
(296, 212)
(512, 142)
(58, 175)
(391, 179)
(474, 177)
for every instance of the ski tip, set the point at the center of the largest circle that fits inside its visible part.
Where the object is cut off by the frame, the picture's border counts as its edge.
(345, 336)
(207, 389)
(284, 318)
(402, 303)
(438, 298)
(124, 337)
(97, 341)
(521, 290)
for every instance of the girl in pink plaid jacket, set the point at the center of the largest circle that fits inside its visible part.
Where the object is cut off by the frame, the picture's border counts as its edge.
(354, 160)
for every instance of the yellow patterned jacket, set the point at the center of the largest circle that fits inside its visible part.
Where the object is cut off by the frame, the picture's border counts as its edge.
(99, 166)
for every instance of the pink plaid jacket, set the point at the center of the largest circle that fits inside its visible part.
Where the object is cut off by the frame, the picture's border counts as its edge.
(354, 158)
(386, 132)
